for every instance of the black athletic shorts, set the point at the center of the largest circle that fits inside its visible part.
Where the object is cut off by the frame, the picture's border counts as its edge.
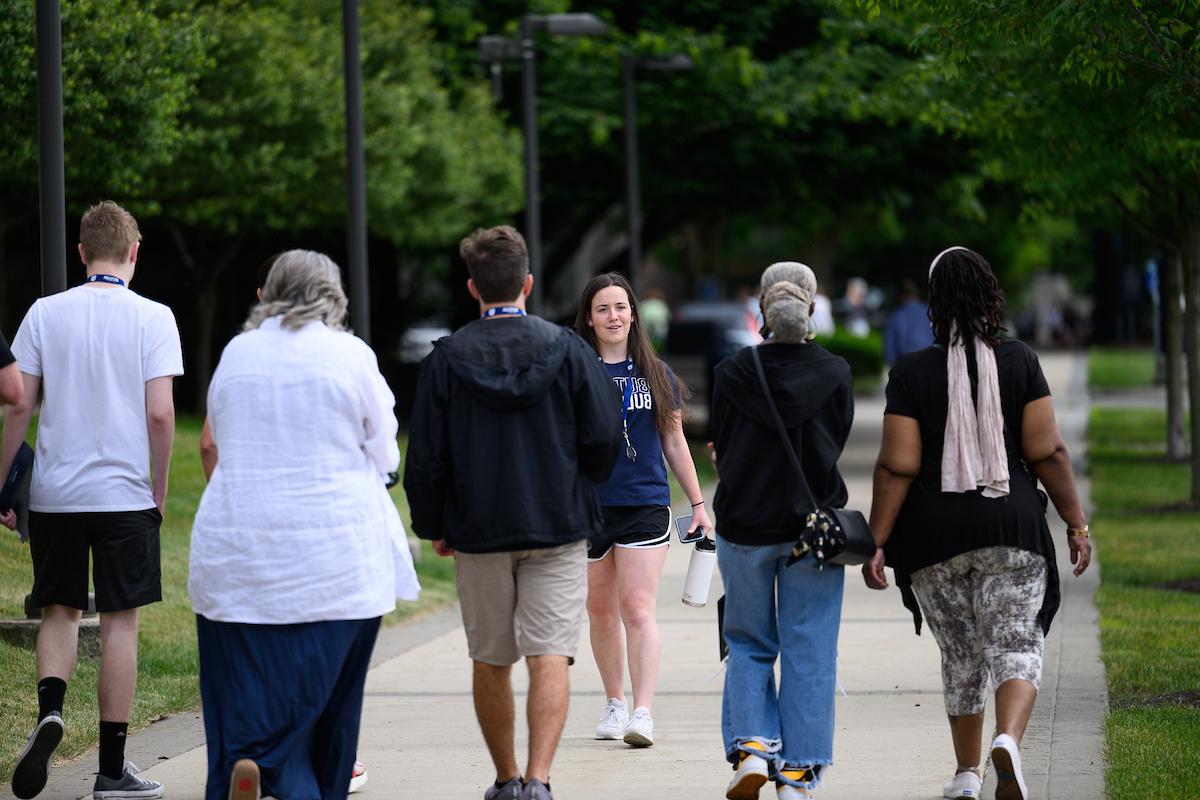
(631, 526)
(125, 549)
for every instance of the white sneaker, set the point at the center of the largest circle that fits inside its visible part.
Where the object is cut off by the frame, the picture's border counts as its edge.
(639, 731)
(613, 720)
(358, 777)
(789, 792)
(794, 792)
(750, 776)
(963, 786)
(1006, 760)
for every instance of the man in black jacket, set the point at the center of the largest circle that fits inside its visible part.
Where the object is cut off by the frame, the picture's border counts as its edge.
(514, 423)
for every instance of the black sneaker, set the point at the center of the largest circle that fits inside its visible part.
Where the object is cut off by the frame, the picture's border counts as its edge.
(129, 787)
(33, 764)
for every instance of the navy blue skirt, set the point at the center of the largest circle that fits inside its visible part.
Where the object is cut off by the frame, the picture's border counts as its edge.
(287, 696)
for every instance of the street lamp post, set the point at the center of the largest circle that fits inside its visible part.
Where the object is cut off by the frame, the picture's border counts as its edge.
(495, 49)
(533, 201)
(633, 199)
(51, 174)
(356, 168)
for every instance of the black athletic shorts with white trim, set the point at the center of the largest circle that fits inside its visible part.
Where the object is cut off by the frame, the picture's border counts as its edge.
(635, 527)
(124, 546)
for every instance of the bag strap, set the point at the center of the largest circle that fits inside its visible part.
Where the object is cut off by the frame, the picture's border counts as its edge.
(783, 434)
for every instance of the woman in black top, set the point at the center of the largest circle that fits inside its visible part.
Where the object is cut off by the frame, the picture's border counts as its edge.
(772, 610)
(957, 514)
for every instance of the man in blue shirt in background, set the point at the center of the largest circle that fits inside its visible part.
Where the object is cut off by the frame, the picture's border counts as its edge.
(908, 327)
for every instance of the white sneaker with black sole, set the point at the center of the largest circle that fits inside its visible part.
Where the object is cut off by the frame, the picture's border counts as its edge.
(613, 720)
(128, 787)
(33, 763)
(1006, 760)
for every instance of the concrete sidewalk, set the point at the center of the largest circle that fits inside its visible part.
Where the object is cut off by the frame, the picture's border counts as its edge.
(420, 739)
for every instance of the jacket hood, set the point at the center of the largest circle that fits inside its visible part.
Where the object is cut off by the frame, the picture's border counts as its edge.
(802, 378)
(506, 363)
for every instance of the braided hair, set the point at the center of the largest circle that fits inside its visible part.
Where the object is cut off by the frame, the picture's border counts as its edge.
(963, 291)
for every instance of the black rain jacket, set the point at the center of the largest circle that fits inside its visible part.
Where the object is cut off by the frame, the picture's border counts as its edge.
(515, 422)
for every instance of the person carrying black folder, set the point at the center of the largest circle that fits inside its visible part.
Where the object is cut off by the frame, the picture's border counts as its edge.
(104, 358)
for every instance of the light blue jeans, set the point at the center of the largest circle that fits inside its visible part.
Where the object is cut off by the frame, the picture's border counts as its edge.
(793, 613)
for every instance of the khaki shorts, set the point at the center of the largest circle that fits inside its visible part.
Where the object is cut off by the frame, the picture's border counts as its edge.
(522, 603)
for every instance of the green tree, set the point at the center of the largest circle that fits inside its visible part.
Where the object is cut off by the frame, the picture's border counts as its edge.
(1092, 108)
(128, 73)
(779, 127)
(264, 141)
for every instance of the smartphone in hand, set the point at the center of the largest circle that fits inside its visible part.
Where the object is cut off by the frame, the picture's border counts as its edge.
(681, 529)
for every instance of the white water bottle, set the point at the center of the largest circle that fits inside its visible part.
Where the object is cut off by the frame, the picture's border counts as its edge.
(699, 574)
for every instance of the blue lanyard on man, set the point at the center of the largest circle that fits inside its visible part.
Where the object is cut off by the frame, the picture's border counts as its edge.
(630, 452)
(504, 311)
(113, 279)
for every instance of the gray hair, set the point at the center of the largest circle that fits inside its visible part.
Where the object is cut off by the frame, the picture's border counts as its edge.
(788, 288)
(303, 286)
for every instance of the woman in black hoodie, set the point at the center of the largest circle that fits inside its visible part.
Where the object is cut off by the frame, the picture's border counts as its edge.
(787, 733)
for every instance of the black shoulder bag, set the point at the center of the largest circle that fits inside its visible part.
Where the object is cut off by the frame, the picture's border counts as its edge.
(834, 535)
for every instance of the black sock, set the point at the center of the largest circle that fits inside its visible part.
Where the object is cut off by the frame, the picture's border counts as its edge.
(51, 692)
(112, 749)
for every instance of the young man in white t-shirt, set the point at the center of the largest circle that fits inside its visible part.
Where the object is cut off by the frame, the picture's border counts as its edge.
(104, 358)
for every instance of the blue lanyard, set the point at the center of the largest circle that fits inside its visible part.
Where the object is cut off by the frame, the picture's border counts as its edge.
(113, 279)
(630, 452)
(507, 311)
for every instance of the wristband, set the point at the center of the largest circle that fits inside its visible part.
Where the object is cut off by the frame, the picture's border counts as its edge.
(698, 503)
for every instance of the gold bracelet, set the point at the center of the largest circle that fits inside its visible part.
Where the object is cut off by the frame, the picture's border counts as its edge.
(1084, 532)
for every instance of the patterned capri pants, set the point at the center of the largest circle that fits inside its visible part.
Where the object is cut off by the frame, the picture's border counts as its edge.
(982, 608)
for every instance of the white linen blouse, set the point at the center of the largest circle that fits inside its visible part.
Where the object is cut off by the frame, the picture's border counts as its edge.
(296, 524)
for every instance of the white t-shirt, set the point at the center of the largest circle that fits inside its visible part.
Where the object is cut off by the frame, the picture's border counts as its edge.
(95, 347)
(296, 524)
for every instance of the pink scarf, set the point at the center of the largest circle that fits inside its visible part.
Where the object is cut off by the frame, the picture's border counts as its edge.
(973, 454)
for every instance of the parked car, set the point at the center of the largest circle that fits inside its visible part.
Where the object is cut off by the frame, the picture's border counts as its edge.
(415, 343)
(699, 337)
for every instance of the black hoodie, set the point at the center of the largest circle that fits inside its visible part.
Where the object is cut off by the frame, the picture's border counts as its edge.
(758, 500)
(514, 423)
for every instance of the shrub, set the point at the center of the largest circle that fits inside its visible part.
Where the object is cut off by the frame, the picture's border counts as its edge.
(863, 353)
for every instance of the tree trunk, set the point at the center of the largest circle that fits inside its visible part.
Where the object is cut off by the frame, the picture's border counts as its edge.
(206, 310)
(1191, 334)
(1171, 288)
(208, 278)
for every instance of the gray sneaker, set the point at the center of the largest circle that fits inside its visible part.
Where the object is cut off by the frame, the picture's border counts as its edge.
(130, 786)
(536, 790)
(33, 764)
(510, 790)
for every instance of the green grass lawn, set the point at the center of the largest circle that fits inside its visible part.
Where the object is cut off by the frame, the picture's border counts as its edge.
(1120, 368)
(167, 679)
(1149, 634)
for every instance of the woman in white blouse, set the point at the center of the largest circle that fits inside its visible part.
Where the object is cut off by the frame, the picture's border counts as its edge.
(297, 549)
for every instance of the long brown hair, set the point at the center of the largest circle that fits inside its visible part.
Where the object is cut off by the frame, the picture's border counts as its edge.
(644, 358)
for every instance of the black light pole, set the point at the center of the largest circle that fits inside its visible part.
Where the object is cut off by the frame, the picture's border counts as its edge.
(493, 50)
(533, 201)
(633, 193)
(52, 175)
(356, 184)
